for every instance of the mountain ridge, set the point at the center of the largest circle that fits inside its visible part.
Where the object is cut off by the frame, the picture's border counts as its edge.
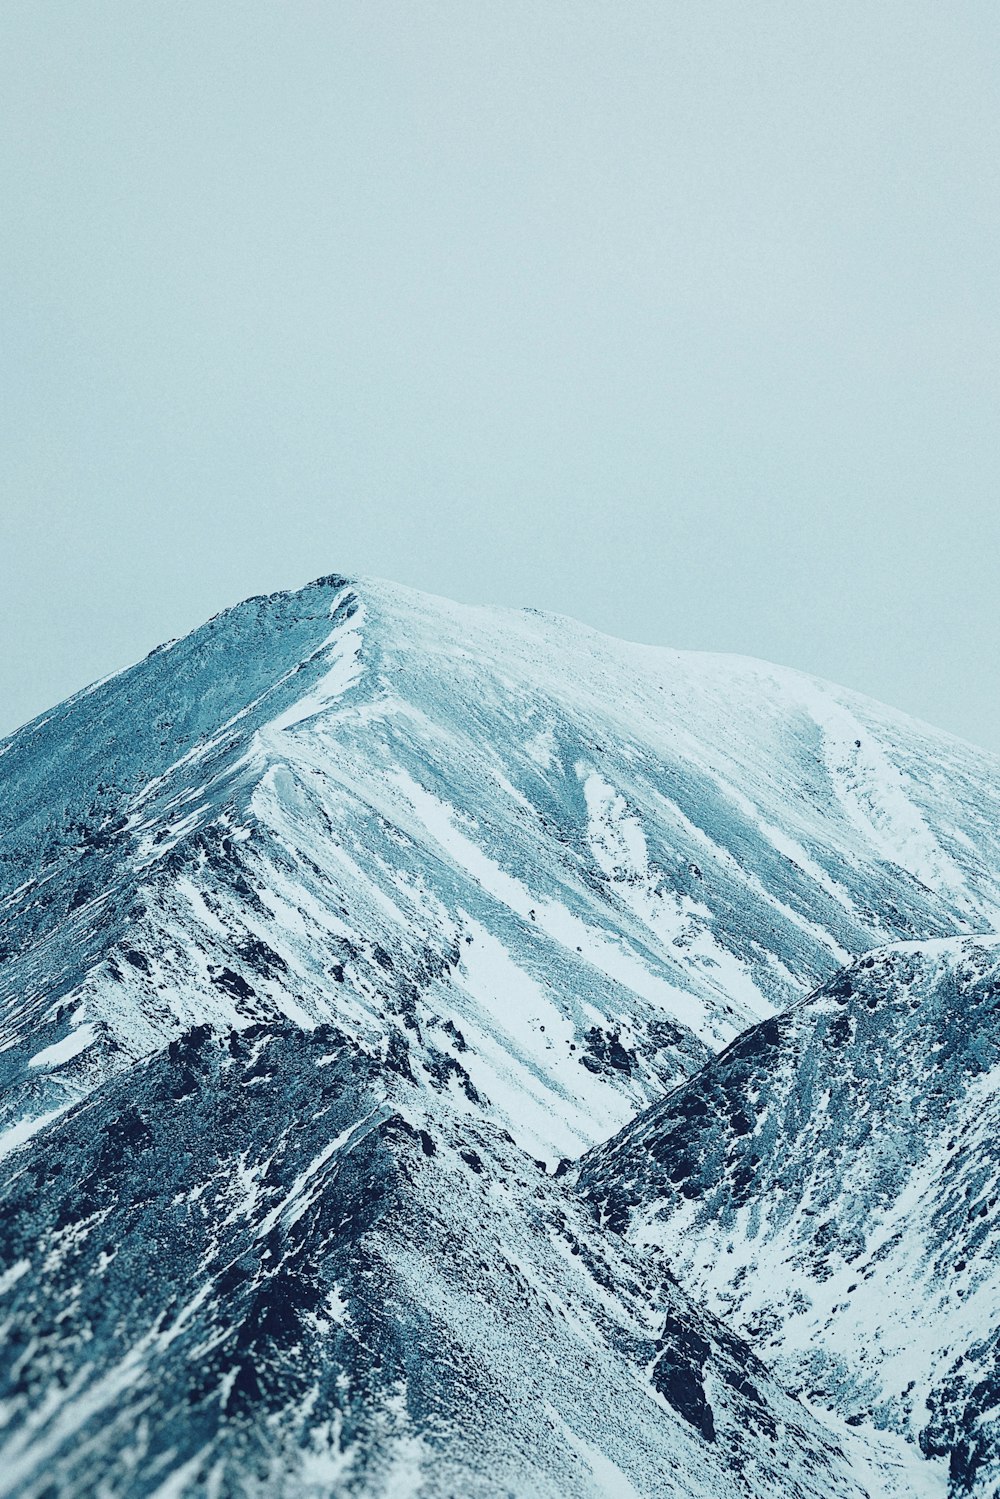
(829, 1185)
(536, 878)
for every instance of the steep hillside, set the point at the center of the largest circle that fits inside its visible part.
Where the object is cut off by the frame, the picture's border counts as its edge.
(830, 1185)
(263, 1264)
(568, 869)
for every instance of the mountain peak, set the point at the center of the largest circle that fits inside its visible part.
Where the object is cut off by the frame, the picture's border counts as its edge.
(458, 894)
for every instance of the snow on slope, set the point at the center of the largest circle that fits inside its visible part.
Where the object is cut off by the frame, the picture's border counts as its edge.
(362, 802)
(535, 875)
(830, 1185)
(262, 1265)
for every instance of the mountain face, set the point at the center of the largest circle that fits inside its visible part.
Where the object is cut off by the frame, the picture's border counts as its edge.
(263, 1265)
(333, 934)
(829, 1185)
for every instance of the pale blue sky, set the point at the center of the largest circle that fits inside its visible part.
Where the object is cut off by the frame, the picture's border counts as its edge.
(679, 317)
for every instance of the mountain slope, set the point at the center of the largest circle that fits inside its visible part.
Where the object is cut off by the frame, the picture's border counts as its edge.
(262, 1264)
(528, 877)
(830, 1185)
(311, 805)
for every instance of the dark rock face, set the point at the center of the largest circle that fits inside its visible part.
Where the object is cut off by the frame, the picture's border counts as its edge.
(679, 1376)
(194, 1224)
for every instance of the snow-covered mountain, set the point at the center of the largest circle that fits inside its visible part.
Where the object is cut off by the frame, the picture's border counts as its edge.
(332, 935)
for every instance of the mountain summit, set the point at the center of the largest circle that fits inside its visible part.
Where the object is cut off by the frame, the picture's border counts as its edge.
(336, 934)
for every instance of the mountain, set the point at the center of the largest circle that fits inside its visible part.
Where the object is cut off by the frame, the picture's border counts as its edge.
(830, 1184)
(264, 1264)
(332, 935)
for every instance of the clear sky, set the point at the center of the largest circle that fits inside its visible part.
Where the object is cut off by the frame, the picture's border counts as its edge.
(679, 317)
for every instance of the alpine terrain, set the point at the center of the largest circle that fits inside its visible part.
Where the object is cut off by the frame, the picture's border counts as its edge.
(446, 1052)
